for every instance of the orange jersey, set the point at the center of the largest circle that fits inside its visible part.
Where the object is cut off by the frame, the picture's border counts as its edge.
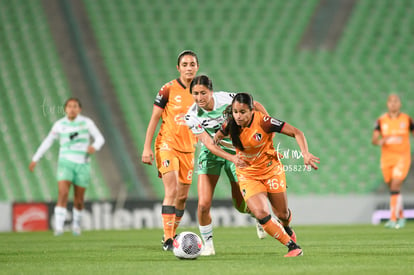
(398, 131)
(259, 152)
(174, 133)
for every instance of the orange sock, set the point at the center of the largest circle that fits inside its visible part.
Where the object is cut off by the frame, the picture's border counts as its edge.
(394, 205)
(275, 229)
(400, 207)
(168, 217)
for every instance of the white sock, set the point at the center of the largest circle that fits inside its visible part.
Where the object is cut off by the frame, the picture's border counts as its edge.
(206, 232)
(60, 216)
(76, 218)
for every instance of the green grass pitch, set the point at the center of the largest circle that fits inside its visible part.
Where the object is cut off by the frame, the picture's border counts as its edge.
(353, 249)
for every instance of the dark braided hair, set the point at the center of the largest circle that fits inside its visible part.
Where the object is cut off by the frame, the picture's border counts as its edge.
(201, 80)
(232, 126)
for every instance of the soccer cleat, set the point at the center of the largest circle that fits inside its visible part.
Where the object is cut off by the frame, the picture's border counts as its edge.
(294, 253)
(294, 250)
(400, 223)
(163, 237)
(58, 233)
(76, 231)
(208, 250)
(391, 224)
(168, 245)
(260, 231)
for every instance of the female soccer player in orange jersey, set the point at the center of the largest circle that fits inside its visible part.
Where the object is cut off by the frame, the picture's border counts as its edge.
(262, 177)
(174, 145)
(205, 118)
(392, 133)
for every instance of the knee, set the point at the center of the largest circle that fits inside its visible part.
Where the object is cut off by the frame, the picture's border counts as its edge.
(284, 216)
(182, 198)
(204, 208)
(260, 214)
(170, 193)
(395, 186)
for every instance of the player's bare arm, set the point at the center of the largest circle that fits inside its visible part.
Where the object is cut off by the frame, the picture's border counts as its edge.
(91, 149)
(259, 107)
(377, 139)
(308, 158)
(147, 153)
(218, 136)
(205, 138)
(32, 166)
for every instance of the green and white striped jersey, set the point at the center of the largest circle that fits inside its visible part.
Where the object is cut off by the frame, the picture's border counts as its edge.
(200, 120)
(74, 139)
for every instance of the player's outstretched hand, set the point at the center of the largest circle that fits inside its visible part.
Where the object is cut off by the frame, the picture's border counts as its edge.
(91, 150)
(239, 162)
(311, 160)
(147, 156)
(218, 137)
(32, 166)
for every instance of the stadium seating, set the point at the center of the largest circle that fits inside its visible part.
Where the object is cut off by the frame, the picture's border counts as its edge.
(333, 96)
(33, 90)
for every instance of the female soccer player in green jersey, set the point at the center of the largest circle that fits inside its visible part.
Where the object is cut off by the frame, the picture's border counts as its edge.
(73, 132)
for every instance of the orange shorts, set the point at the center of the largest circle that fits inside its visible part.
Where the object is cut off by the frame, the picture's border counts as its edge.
(396, 168)
(250, 186)
(168, 160)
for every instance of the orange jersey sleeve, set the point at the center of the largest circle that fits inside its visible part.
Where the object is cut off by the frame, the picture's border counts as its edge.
(175, 100)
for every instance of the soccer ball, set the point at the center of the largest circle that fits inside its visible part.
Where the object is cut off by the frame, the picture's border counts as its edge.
(187, 245)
